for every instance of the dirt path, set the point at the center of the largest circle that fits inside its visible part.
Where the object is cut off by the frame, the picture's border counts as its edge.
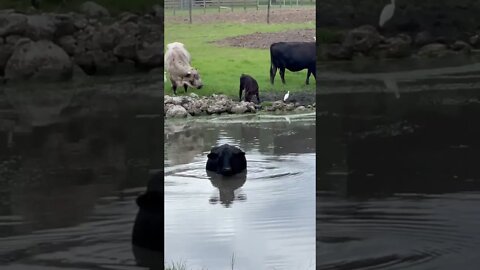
(300, 15)
(264, 40)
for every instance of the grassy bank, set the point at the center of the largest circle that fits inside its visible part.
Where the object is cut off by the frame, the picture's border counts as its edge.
(221, 67)
(114, 6)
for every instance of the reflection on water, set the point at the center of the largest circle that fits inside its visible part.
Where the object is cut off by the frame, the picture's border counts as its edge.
(264, 217)
(73, 158)
(400, 184)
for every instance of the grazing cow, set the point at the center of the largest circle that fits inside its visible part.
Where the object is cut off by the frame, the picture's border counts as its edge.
(250, 85)
(226, 160)
(178, 66)
(294, 56)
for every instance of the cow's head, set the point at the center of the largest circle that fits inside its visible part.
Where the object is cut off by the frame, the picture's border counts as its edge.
(192, 79)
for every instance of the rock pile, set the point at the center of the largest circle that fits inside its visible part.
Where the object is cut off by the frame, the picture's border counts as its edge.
(193, 105)
(49, 46)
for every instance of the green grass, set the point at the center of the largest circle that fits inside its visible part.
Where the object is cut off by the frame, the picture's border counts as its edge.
(220, 67)
(114, 6)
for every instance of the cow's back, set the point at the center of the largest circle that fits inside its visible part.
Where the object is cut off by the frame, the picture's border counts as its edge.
(293, 55)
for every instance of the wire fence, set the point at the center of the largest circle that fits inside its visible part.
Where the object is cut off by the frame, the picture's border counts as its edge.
(178, 7)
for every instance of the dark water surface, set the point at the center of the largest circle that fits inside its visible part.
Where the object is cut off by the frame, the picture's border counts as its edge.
(399, 182)
(73, 158)
(264, 219)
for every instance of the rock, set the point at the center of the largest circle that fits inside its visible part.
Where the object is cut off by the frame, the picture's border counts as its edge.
(80, 22)
(193, 107)
(94, 10)
(12, 40)
(398, 46)
(362, 39)
(126, 17)
(64, 25)
(423, 38)
(131, 28)
(239, 108)
(108, 36)
(475, 41)
(12, 24)
(127, 48)
(462, 46)
(38, 60)
(290, 107)
(339, 52)
(193, 95)
(433, 50)
(6, 51)
(97, 62)
(40, 27)
(215, 109)
(68, 44)
(151, 55)
(300, 109)
(176, 111)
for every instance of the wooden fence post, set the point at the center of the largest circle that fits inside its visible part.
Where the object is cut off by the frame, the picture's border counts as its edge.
(268, 12)
(190, 10)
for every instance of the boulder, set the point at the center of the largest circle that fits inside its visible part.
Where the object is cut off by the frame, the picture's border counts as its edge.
(176, 111)
(433, 50)
(40, 27)
(108, 36)
(398, 46)
(97, 62)
(423, 38)
(362, 39)
(38, 60)
(12, 24)
(6, 51)
(151, 55)
(94, 10)
(68, 44)
(127, 48)
(461, 46)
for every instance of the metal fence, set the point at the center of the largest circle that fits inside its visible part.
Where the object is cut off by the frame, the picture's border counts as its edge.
(178, 5)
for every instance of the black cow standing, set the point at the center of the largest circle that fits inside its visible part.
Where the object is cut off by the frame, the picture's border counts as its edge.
(226, 160)
(250, 85)
(294, 56)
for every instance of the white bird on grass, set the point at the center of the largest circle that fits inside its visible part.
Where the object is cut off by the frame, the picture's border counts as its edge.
(392, 86)
(286, 96)
(387, 13)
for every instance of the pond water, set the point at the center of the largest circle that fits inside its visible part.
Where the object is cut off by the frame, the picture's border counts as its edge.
(264, 219)
(73, 159)
(398, 176)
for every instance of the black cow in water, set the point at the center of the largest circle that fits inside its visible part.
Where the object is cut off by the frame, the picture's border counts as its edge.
(294, 56)
(226, 160)
(250, 85)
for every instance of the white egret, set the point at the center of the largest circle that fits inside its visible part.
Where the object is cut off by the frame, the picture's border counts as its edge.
(286, 96)
(387, 13)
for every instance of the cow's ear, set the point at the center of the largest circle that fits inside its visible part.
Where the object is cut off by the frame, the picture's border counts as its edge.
(241, 153)
(212, 155)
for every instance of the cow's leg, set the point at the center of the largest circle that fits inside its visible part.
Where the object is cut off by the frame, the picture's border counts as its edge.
(258, 98)
(308, 77)
(282, 74)
(248, 97)
(185, 87)
(273, 72)
(174, 87)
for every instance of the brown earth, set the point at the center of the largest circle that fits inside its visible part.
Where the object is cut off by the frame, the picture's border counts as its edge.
(294, 15)
(264, 40)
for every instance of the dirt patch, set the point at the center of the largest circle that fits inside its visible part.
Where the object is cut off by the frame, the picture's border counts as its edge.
(264, 40)
(300, 15)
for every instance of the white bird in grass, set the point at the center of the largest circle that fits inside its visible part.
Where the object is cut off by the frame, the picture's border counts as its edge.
(392, 86)
(387, 13)
(286, 96)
